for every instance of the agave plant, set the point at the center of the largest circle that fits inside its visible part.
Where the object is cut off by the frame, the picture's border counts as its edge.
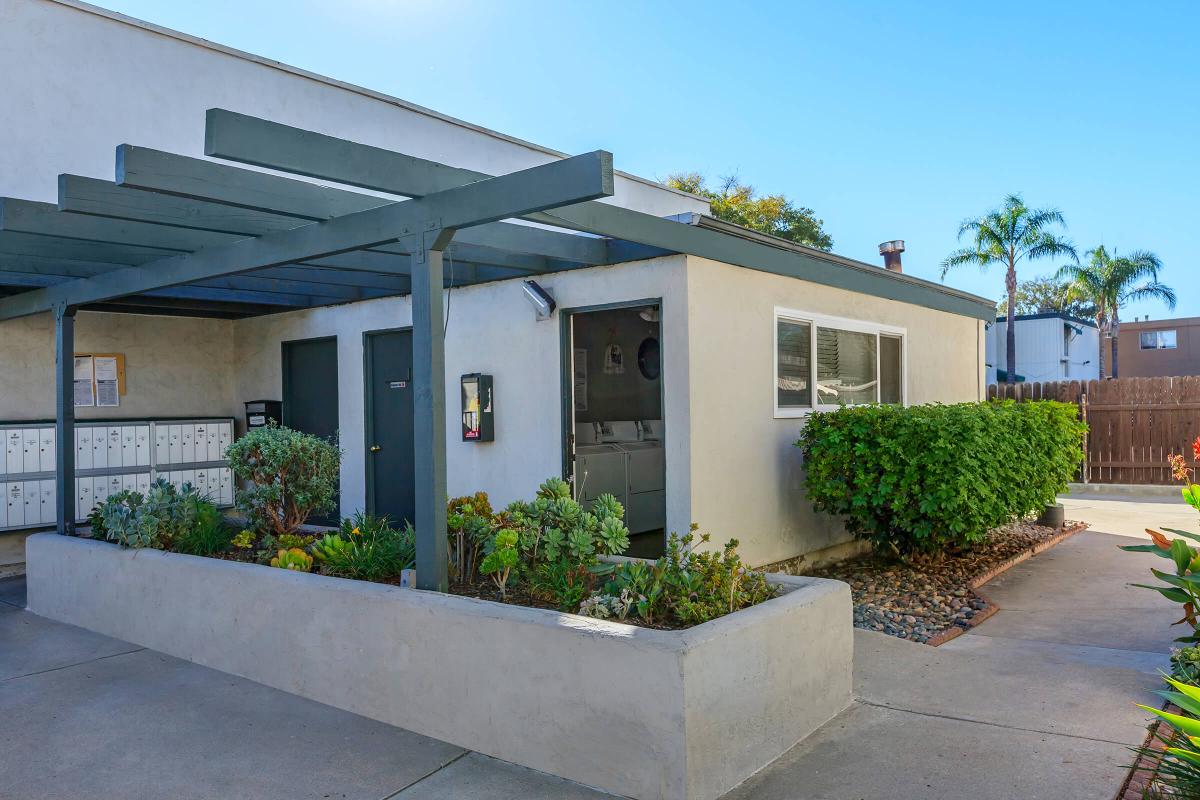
(1178, 774)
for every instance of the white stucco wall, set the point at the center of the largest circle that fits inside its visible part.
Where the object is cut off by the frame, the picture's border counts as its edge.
(492, 329)
(1042, 351)
(174, 366)
(746, 473)
(77, 82)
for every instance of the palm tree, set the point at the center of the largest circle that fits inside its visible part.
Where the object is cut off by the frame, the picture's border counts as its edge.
(1109, 282)
(1007, 235)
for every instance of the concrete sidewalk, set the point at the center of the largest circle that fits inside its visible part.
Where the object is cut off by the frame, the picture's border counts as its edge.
(86, 716)
(1129, 510)
(1036, 702)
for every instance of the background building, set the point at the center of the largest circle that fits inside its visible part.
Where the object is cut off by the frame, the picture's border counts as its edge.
(1159, 348)
(1050, 347)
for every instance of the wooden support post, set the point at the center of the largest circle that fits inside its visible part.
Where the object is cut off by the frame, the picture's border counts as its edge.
(64, 420)
(429, 407)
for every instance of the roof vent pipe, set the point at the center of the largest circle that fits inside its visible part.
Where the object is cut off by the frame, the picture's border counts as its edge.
(891, 254)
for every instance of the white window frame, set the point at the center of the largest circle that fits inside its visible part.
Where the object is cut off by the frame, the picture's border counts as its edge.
(1157, 334)
(839, 323)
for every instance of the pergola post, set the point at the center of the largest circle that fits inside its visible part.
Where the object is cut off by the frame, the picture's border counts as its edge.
(429, 407)
(64, 418)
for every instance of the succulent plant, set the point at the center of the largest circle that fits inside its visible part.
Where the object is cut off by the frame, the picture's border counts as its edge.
(294, 559)
(331, 548)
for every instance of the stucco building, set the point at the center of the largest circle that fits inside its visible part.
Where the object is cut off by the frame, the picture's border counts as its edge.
(1159, 347)
(677, 377)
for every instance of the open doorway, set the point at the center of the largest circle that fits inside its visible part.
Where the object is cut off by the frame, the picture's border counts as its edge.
(613, 405)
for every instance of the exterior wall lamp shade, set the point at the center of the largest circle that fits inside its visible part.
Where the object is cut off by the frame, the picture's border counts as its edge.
(478, 422)
(543, 304)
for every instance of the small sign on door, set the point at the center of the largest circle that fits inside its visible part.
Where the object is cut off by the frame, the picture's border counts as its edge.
(397, 384)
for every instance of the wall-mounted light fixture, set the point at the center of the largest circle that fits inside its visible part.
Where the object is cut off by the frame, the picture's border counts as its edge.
(539, 298)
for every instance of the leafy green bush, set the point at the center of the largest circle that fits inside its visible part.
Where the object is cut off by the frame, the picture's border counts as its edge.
(292, 475)
(164, 518)
(921, 478)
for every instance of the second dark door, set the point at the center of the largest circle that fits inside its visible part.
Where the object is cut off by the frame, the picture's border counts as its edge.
(310, 395)
(390, 489)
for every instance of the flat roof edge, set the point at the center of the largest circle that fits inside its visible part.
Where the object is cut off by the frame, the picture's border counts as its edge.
(863, 277)
(208, 44)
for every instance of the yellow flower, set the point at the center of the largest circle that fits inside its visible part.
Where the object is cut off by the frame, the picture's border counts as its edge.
(356, 531)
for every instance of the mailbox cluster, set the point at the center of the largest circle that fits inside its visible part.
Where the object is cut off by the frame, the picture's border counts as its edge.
(111, 457)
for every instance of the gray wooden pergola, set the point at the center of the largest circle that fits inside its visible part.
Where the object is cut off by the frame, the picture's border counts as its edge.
(189, 236)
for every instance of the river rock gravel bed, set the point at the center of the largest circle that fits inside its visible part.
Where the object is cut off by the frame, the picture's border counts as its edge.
(921, 599)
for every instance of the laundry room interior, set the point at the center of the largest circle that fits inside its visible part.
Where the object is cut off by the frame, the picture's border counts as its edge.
(617, 402)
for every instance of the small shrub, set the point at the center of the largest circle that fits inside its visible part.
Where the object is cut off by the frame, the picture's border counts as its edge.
(503, 557)
(685, 586)
(294, 559)
(1185, 664)
(922, 478)
(371, 550)
(292, 475)
(469, 524)
(160, 519)
(208, 534)
(292, 541)
(559, 543)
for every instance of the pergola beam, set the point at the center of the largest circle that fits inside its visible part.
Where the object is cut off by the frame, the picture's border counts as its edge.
(263, 143)
(265, 197)
(37, 272)
(561, 183)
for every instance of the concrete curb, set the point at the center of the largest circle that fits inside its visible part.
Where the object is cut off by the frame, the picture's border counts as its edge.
(1121, 490)
(976, 583)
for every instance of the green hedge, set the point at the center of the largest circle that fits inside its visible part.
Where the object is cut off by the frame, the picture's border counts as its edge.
(924, 477)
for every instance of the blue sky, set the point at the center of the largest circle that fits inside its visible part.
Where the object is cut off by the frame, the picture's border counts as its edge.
(889, 120)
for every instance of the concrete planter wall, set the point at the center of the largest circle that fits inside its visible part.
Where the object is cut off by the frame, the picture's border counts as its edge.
(641, 713)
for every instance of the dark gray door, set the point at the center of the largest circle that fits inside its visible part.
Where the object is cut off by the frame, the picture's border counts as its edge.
(390, 480)
(310, 394)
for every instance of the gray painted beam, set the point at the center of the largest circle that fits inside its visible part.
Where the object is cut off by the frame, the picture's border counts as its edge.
(335, 277)
(197, 179)
(64, 419)
(80, 195)
(261, 199)
(429, 410)
(30, 244)
(30, 271)
(238, 137)
(45, 219)
(214, 289)
(550, 186)
(37, 265)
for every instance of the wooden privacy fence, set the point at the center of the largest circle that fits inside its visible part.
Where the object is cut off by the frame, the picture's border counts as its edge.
(1133, 423)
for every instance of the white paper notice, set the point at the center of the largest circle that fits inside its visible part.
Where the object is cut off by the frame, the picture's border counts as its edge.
(84, 377)
(107, 395)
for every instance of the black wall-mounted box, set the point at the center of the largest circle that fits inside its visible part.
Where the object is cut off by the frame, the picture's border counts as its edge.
(478, 424)
(259, 413)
